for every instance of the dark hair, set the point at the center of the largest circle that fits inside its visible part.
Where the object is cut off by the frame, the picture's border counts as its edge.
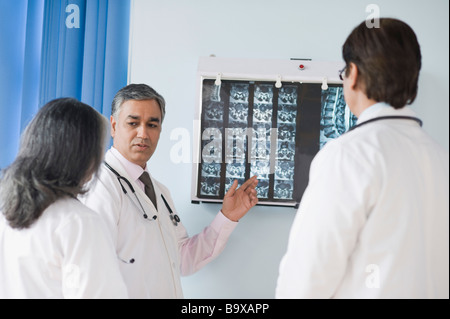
(388, 59)
(59, 151)
(138, 92)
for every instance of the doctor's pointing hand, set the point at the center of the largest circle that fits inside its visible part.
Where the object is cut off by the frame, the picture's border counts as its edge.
(237, 203)
(153, 247)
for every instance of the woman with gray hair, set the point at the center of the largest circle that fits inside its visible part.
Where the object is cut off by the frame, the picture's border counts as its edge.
(51, 245)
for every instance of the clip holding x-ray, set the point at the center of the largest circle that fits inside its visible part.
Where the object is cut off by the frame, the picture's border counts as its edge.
(278, 82)
(324, 84)
(218, 79)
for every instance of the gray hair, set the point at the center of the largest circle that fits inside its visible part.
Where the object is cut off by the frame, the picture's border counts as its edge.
(138, 92)
(61, 148)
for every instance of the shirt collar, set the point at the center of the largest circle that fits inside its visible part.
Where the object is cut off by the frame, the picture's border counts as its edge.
(384, 109)
(372, 110)
(134, 171)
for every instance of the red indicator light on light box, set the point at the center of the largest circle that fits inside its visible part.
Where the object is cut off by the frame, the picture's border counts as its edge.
(301, 66)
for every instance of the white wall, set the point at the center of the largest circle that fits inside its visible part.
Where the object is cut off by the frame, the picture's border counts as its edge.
(167, 39)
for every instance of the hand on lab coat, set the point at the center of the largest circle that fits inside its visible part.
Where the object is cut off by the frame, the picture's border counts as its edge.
(237, 203)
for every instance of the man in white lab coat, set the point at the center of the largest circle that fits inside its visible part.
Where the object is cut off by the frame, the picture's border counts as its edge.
(374, 219)
(151, 242)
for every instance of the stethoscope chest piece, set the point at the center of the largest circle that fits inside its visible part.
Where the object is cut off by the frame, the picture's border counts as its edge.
(173, 217)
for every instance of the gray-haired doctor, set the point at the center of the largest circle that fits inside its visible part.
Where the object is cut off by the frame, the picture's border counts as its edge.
(151, 242)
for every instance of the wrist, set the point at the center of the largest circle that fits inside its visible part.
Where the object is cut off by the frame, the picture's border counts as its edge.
(227, 215)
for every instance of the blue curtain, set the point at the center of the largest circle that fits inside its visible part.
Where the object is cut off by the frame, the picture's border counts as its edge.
(58, 48)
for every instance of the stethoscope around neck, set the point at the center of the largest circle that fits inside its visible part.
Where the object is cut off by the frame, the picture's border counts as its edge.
(173, 217)
(393, 117)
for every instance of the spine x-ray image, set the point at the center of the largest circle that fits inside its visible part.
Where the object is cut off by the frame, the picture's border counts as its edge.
(336, 117)
(253, 128)
(287, 129)
(235, 137)
(262, 124)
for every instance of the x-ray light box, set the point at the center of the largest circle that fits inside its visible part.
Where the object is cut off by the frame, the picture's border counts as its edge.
(267, 118)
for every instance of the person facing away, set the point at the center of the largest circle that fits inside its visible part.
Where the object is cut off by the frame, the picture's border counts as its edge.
(51, 245)
(151, 242)
(374, 219)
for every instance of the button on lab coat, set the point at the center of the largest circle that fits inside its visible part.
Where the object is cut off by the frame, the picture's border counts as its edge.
(62, 255)
(374, 219)
(153, 253)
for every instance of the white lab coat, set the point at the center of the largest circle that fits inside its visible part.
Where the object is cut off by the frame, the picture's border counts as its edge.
(374, 219)
(160, 252)
(62, 255)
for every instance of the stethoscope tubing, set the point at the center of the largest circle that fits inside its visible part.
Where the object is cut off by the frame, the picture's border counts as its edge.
(174, 217)
(393, 117)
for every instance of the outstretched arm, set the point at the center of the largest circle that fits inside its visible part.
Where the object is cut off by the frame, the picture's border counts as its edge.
(204, 247)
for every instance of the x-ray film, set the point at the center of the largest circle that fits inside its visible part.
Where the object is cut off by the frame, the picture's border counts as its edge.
(336, 117)
(254, 128)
